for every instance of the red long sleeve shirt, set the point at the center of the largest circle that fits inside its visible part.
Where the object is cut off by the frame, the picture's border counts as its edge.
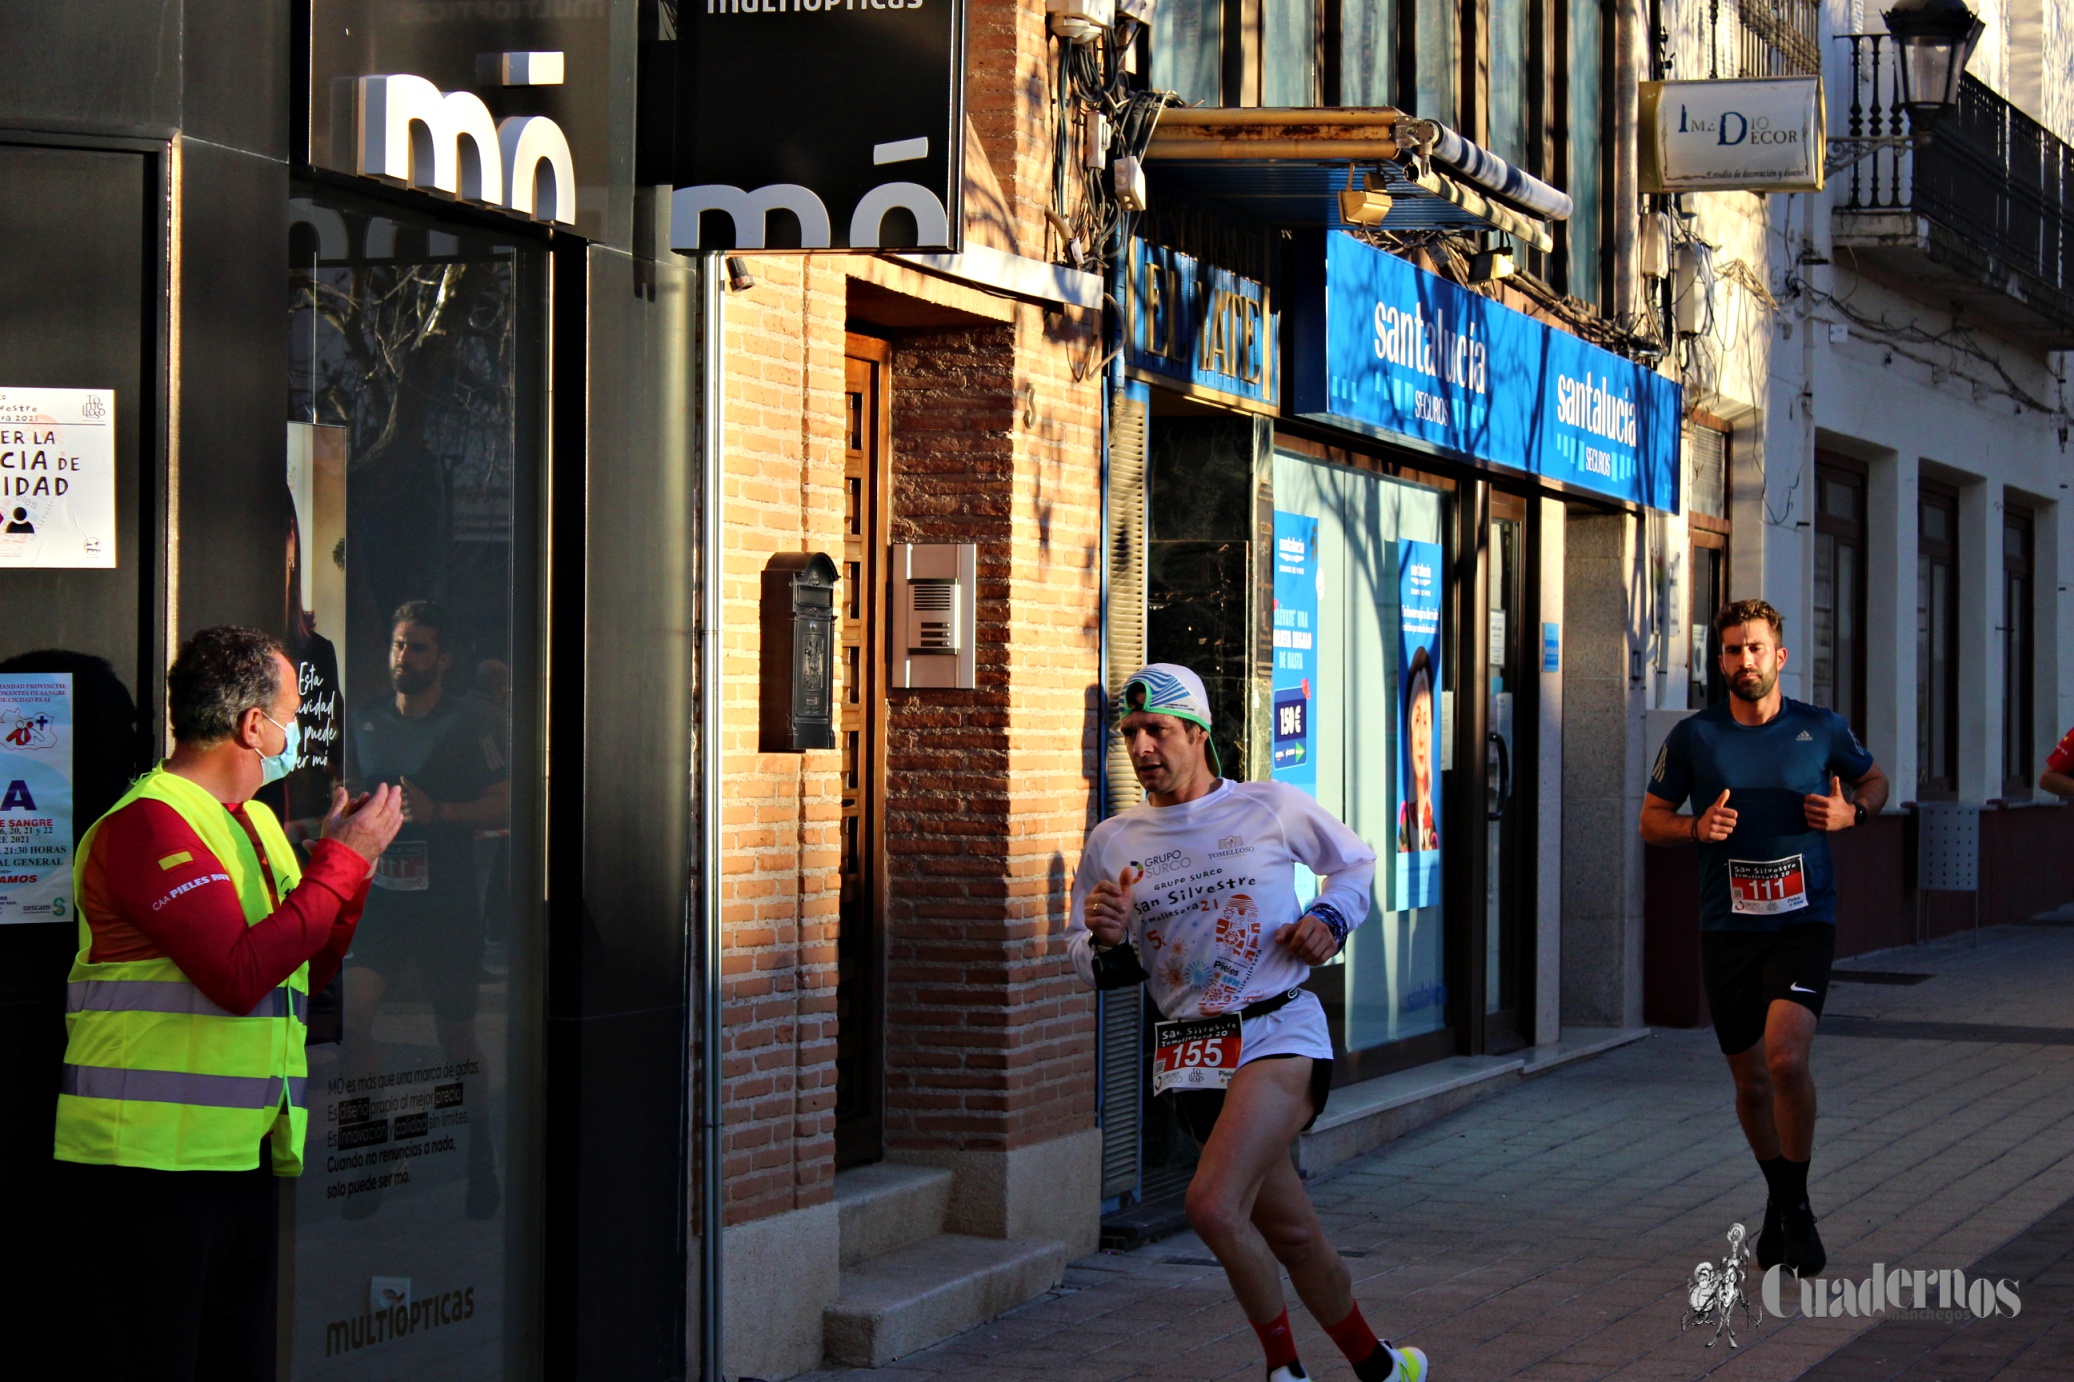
(152, 889)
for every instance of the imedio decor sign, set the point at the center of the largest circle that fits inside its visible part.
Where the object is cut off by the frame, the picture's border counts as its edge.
(1763, 134)
(819, 124)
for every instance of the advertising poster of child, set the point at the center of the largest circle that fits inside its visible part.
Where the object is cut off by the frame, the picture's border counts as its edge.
(1418, 725)
(1297, 579)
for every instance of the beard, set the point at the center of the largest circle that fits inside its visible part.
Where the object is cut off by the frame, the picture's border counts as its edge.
(410, 683)
(1754, 687)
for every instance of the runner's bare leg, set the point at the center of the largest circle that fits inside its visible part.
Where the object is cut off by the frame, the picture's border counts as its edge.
(1265, 1108)
(1775, 1091)
(1287, 1219)
(1789, 1035)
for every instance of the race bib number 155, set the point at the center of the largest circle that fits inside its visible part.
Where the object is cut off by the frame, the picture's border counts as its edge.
(1767, 888)
(1195, 1055)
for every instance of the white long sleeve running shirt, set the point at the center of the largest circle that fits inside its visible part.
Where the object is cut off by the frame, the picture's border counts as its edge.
(1219, 881)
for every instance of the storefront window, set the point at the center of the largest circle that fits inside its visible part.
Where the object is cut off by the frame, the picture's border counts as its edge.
(1510, 38)
(1437, 59)
(413, 445)
(1373, 713)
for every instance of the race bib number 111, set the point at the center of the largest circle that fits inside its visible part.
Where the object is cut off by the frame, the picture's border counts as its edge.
(1768, 888)
(1195, 1055)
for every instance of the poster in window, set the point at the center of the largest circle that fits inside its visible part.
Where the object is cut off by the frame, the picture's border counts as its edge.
(57, 478)
(313, 609)
(1418, 725)
(1295, 682)
(35, 797)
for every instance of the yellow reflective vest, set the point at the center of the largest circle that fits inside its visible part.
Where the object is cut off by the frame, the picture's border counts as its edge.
(155, 1074)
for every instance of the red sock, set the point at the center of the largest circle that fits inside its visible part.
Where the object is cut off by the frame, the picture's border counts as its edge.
(1354, 1337)
(1277, 1342)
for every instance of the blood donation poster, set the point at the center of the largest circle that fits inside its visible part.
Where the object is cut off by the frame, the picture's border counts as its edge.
(1297, 578)
(1418, 725)
(57, 477)
(35, 797)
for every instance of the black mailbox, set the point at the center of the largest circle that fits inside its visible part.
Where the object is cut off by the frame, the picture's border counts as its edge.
(798, 693)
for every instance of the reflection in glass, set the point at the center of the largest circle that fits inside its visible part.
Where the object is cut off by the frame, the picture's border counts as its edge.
(412, 410)
(1368, 52)
(1394, 984)
(1508, 81)
(1289, 53)
(1586, 133)
(1437, 61)
(1187, 52)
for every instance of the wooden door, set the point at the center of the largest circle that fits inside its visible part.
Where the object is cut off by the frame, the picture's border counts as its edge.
(860, 993)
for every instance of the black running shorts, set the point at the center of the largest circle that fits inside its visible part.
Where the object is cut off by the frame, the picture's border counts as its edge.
(1746, 971)
(1198, 1108)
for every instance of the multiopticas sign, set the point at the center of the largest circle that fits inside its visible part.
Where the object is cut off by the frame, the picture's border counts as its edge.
(816, 124)
(1760, 134)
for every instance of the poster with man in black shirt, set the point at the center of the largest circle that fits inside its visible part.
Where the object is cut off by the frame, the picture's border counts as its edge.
(446, 754)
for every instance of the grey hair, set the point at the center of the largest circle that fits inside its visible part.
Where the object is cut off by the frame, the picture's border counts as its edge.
(220, 674)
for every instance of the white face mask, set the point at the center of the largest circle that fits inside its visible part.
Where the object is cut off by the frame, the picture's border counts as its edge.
(275, 766)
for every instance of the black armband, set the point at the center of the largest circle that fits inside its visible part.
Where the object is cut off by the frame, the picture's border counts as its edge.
(1118, 968)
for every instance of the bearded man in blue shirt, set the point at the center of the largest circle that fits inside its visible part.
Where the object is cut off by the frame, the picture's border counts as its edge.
(1765, 776)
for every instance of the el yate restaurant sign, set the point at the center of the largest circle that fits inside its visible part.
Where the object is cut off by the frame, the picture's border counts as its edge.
(1383, 347)
(1201, 329)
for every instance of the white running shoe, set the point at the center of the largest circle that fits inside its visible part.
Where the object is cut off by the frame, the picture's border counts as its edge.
(1292, 1373)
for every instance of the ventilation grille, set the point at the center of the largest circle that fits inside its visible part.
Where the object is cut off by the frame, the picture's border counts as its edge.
(1122, 1012)
(1126, 550)
(1123, 1059)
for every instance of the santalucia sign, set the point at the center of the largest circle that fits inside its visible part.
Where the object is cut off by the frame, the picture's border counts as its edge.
(1763, 134)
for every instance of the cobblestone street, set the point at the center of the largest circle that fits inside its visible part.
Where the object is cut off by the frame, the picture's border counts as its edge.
(1549, 1232)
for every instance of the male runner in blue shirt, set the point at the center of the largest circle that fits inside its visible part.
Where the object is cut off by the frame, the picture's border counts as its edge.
(1772, 771)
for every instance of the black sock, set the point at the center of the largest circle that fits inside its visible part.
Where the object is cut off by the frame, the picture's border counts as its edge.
(1377, 1366)
(1787, 1181)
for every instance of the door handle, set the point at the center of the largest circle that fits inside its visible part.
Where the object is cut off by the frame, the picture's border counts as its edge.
(1504, 794)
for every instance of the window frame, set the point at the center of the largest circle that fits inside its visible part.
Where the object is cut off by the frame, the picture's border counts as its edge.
(1932, 494)
(2020, 647)
(1833, 469)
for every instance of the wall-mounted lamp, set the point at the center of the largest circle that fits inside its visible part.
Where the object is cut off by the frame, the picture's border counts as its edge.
(1935, 39)
(1361, 202)
(739, 279)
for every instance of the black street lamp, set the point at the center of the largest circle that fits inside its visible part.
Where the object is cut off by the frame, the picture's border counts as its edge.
(1935, 38)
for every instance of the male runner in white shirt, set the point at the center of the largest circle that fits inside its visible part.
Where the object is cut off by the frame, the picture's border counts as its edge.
(1193, 893)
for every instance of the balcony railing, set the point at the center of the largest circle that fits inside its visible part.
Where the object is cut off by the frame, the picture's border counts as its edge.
(1778, 38)
(2000, 182)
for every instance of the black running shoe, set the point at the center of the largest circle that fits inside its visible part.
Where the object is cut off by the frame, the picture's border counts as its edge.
(1804, 1252)
(1771, 1241)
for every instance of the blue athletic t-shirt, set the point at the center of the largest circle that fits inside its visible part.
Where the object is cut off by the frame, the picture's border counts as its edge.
(1772, 871)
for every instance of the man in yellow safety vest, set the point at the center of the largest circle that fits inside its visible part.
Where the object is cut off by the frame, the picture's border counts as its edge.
(200, 941)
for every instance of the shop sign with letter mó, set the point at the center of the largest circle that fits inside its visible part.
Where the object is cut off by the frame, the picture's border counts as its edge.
(817, 124)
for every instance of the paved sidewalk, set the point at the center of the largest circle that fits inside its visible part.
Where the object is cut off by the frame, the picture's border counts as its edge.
(1549, 1232)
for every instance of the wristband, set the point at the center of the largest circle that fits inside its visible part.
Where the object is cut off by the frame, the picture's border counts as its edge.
(1334, 922)
(1859, 807)
(1695, 829)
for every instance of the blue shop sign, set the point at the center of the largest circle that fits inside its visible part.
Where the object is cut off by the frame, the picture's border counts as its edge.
(1201, 329)
(1383, 347)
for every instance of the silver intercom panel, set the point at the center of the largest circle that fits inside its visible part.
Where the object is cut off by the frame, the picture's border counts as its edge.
(933, 597)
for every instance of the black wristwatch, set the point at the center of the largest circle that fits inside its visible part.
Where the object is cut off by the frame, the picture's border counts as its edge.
(1859, 807)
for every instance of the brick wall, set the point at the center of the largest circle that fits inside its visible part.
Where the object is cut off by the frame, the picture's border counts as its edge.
(990, 791)
(784, 390)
